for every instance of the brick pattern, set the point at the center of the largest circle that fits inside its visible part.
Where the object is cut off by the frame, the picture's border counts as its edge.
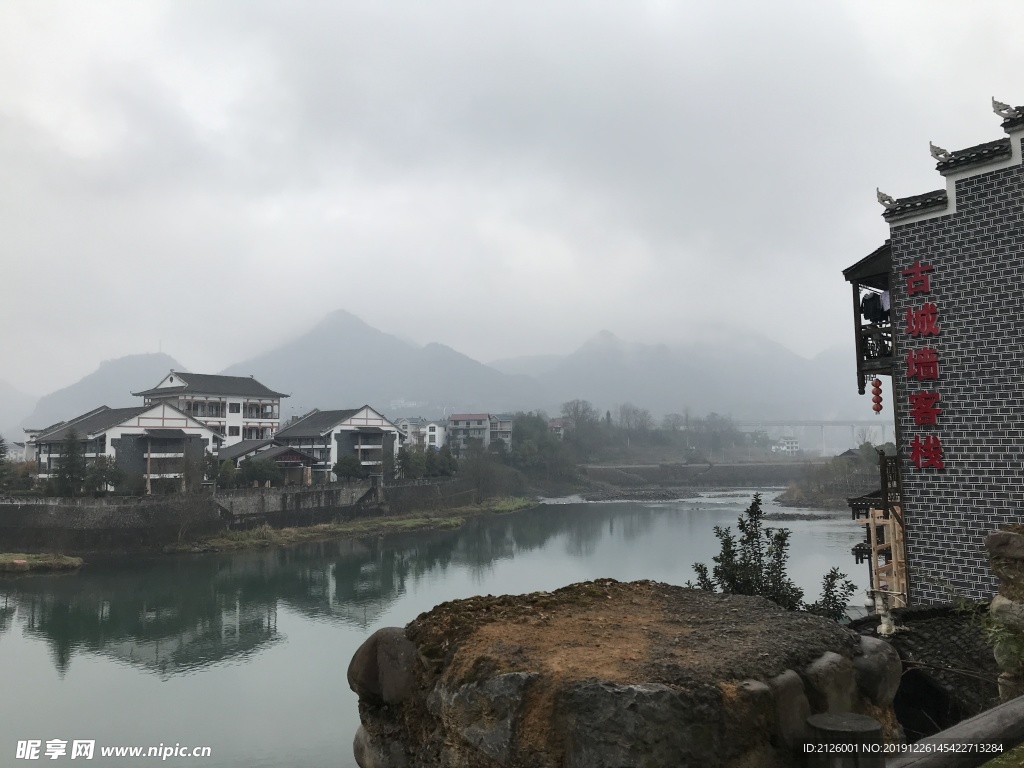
(978, 286)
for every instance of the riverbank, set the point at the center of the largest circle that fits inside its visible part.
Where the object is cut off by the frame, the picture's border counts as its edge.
(12, 562)
(265, 536)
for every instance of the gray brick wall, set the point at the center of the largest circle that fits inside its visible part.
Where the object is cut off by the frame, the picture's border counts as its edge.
(978, 286)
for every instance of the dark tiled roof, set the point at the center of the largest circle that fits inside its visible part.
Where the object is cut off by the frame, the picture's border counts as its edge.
(910, 206)
(210, 384)
(92, 422)
(241, 448)
(948, 644)
(166, 432)
(315, 423)
(873, 269)
(983, 153)
(1013, 123)
(277, 450)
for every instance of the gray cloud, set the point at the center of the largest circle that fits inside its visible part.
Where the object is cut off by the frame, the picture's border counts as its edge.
(504, 179)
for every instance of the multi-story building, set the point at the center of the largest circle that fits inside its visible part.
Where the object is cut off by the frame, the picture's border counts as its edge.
(501, 428)
(418, 432)
(463, 428)
(435, 434)
(560, 427)
(151, 441)
(938, 311)
(236, 407)
(329, 435)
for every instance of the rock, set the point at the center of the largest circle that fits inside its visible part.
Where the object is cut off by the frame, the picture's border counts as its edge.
(608, 725)
(484, 714)
(878, 671)
(1007, 612)
(1007, 651)
(791, 709)
(1005, 544)
(1010, 687)
(370, 754)
(831, 683)
(382, 670)
(755, 704)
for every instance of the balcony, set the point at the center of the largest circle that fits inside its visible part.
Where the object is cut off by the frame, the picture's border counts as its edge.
(872, 322)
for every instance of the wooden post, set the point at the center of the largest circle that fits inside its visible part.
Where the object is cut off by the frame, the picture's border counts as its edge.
(845, 740)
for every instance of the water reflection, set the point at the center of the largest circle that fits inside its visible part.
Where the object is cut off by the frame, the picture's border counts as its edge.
(175, 614)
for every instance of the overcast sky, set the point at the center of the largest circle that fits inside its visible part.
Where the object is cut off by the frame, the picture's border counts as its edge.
(505, 178)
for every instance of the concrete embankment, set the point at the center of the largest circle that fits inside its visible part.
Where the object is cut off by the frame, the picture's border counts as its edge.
(86, 525)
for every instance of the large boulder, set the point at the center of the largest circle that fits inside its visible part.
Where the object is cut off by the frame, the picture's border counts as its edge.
(383, 667)
(604, 674)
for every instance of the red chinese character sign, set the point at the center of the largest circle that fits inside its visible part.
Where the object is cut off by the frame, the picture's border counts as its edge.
(923, 365)
(927, 452)
(917, 277)
(923, 321)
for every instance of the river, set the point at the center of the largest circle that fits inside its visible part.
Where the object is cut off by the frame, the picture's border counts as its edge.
(246, 653)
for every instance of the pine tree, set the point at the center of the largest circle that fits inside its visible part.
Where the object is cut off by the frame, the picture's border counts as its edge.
(70, 470)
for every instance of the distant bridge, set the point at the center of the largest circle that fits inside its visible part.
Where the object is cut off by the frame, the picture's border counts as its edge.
(888, 431)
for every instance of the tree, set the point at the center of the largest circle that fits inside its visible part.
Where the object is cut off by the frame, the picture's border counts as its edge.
(228, 475)
(349, 468)
(580, 413)
(70, 469)
(673, 421)
(256, 470)
(755, 564)
(5, 465)
(102, 474)
(448, 464)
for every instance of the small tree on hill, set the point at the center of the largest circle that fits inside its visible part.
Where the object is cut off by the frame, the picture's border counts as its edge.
(755, 564)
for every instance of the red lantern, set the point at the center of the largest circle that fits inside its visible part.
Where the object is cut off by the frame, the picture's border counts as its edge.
(876, 391)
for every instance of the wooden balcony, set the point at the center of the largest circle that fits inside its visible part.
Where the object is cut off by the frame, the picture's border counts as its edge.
(869, 279)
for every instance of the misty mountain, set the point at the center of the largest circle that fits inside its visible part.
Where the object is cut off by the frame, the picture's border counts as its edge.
(111, 384)
(737, 375)
(528, 365)
(343, 362)
(743, 377)
(14, 404)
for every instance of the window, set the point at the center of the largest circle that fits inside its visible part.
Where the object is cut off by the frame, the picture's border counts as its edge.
(479, 423)
(234, 408)
(433, 439)
(432, 429)
(233, 431)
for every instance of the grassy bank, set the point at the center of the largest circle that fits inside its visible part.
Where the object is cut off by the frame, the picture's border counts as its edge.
(265, 536)
(14, 562)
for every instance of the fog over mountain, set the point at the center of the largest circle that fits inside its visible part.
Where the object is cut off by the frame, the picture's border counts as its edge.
(343, 362)
(111, 384)
(14, 404)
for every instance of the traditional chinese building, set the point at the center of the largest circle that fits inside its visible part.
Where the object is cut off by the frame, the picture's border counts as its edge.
(939, 310)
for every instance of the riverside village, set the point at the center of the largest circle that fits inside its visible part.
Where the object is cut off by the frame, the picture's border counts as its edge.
(496, 577)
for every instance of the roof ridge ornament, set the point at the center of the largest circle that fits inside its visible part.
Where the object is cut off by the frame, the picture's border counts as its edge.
(887, 200)
(1005, 111)
(939, 153)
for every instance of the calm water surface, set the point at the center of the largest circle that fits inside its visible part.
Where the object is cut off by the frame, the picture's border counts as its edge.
(247, 653)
